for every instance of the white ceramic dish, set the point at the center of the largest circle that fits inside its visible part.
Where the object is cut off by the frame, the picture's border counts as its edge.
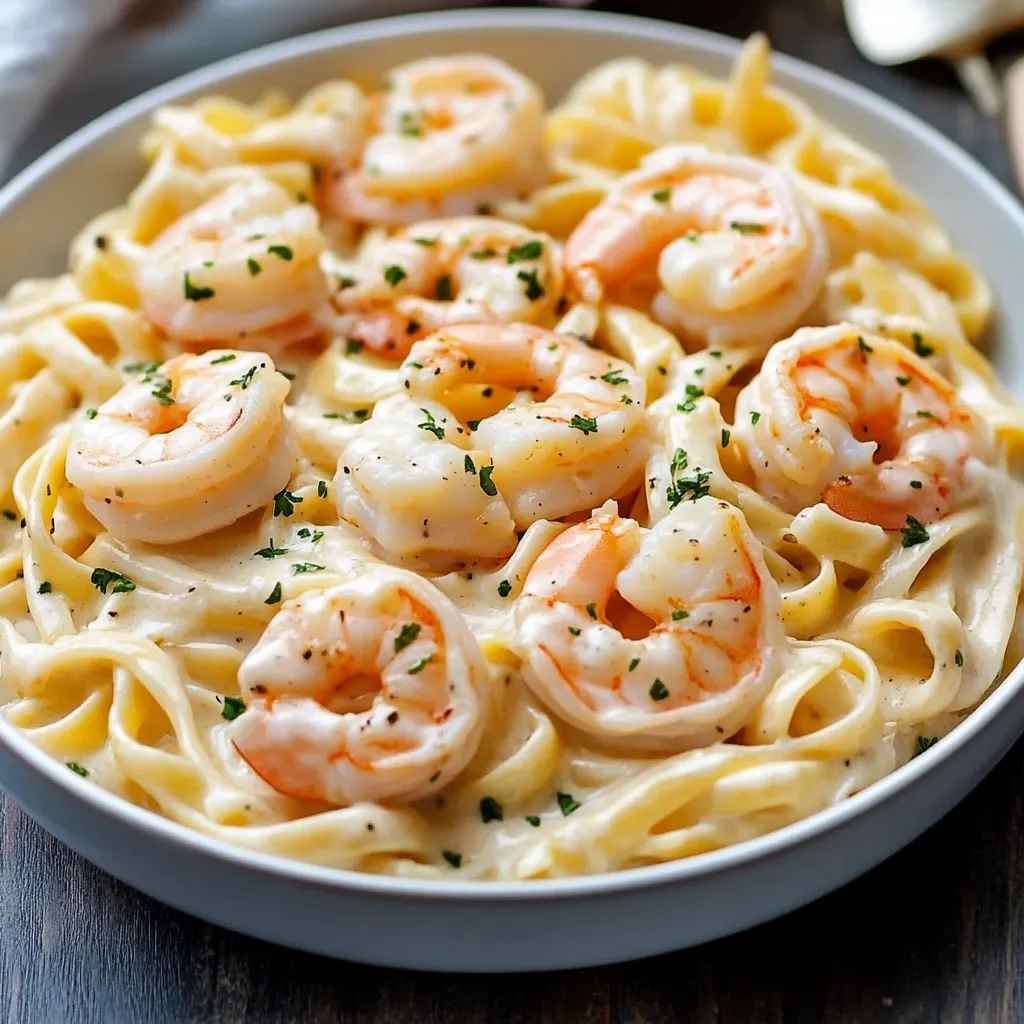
(449, 926)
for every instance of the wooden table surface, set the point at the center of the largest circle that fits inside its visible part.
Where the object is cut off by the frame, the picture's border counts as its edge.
(936, 934)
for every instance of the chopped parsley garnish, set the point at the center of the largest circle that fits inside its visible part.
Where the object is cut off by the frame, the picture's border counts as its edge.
(725, 437)
(275, 595)
(958, 658)
(246, 379)
(614, 377)
(406, 635)
(78, 769)
(531, 250)
(194, 293)
(575, 630)
(468, 465)
(925, 414)
(455, 859)
(534, 289)
(754, 417)
(140, 367)
(903, 381)
(695, 486)
(490, 810)
(394, 274)
(504, 588)
(747, 228)
(354, 416)
(592, 610)
(483, 254)
(715, 354)
(47, 588)
(425, 242)
(914, 533)
(285, 502)
(443, 288)
(633, 664)
(916, 484)
(533, 820)
(585, 423)
(693, 392)
(304, 533)
(346, 282)
(409, 123)
(566, 804)
(321, 488)
(163, 393)
(920, 348)
(270, 552)
(865, 348)
(103, 578)
(254, 267)
(679, 614)
(658, 690)
(283, 251)
(472, 424)
(233, 707)
(487, 485)
(353, 347)
(431, 425)
(8, 514)
(923, 743)
(625, 400)
(420, 665)
(228, 357)
(300, 567)
(91, 414)
(663, 195)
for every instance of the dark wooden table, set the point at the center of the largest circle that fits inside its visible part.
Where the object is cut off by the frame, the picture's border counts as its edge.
(934, 935)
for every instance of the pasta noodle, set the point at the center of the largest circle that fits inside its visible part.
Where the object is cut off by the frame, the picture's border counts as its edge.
(296, 550)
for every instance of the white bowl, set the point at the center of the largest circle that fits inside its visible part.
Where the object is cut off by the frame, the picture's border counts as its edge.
(510, 926)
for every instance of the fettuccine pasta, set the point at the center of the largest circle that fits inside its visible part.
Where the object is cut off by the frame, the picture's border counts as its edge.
(422, 482)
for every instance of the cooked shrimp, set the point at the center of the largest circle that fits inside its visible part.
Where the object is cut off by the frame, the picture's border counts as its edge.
(187, 448)
(861, 423)
(573, 433)
(663, 638)
(242, 269)
(411, 479)
(441, 272)
(449, 136)
(372, 690)
(722, 243)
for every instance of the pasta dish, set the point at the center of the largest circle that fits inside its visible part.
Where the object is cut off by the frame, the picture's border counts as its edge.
(418, 480)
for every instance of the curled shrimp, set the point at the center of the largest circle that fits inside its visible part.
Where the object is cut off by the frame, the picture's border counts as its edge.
(861, 423)
(410, 479)
(458, 270)
(722, 243)
(187, 448)
(242, 269)
(371, 690)
(572, 433)
(660, 638)
(449, 135)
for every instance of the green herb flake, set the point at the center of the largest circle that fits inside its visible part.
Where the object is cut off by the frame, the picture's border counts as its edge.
(275, 595)
(920, 348)
(922, 744)
(916, 484)
(472, 425)
(487, 485)
(633, 664)
(270, 552)
(468, 464)
(193, 293)
(693, 392)
(47, 588)
(958, 658)
(233, 707)
(483, 254)
(420, 665)
(246, 379)
(754, 417)
(504, 588)
(925, 414)
(614, 377)
(406, 635)
(748, 228)
(425, 242)
(443, 288)
(91, 414)
(77, 768)
(566, 804)
(353, 347)
(301, 567)
(282, 251)
(658, 690)
(321, 488)
(394, 274)
(103, 578)
(285, 502)
(228, 357)
(663, 195)
(431, 426)
(914, 533)
(533, 820)
(679, 614)
(254, 267)
(531, 250)
(585, 423)
(162, 393)
(903, 381)
(8, 514)
(592, 610)
(453, 858)
(726, 434)
(575, 630)
(490, 810)
(534, 289)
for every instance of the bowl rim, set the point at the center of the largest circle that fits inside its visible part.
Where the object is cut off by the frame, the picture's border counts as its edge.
(689, 869)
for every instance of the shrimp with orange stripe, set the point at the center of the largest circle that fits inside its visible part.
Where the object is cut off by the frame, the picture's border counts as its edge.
(860, 422)
(719, 248)
(371, 690)
(665, 638)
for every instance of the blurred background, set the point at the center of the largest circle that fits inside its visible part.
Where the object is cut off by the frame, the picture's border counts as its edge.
(63, 62)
